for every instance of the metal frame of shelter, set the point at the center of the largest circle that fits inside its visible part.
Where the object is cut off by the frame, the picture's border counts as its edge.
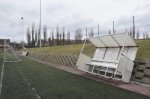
(114, 56)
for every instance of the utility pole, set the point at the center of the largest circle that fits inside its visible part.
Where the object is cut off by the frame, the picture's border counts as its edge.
(133, 28)
(86, 32)
(113, 28)
(22, 33)
(40, 23)
(98, 29)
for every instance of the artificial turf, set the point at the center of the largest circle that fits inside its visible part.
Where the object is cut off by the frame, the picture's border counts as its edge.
(51, 83)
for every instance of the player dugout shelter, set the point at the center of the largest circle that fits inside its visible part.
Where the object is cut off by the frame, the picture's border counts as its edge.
(113, 58)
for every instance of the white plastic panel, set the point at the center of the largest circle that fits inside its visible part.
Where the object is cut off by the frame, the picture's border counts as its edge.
(96, 42)
(99, 54)
(81, 62)
(124, 39)
(125, 67)
(125, 51)
(106, 54)
(130, 52)
(111, 54)
(114, 40)
(108, 41)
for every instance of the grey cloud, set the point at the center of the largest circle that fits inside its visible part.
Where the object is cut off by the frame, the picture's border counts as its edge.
(61, 12)
(6, 8)
(56, 8)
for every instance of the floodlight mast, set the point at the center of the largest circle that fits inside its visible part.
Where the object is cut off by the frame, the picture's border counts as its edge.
(98, 29)
(40, 23)
(22, 33)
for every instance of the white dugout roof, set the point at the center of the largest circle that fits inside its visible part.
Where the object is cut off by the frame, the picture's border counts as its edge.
(115, 40)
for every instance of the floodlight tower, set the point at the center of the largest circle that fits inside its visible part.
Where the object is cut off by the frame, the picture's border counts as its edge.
(22, 33)
(40, 23)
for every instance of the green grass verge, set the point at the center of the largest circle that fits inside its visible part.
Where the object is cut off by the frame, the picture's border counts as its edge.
(70, 49)
(52, 83)
(143, 51)
(66, 49)
(144, 48)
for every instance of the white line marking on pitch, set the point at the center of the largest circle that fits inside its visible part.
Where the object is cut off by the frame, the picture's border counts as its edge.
(1, 79)
(29, 84)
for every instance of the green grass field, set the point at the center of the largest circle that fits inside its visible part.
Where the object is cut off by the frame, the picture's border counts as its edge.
(144, 48)
(51, 83)
(143, 51)
(66, 49)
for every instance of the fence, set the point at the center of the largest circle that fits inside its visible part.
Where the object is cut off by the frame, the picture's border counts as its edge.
(64, 59)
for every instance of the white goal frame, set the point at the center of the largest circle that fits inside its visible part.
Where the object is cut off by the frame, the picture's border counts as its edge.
(9, 51)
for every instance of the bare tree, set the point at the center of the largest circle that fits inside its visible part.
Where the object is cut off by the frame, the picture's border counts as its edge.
(137, 34)
(33, 30)
(60, 39)
(36, 37)
(144, 35)
(49, 41)
(86, 29)
(68, 37)
(38, 41)
(57, 35)
(28, 36)
(52, 33)
(63, 38)
(45, 35)
(91, 33)
(109, 32)
(131, 32)
(147, 36)
(78, 36)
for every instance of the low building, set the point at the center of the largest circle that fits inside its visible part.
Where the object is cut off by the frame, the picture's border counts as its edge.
(2, 42)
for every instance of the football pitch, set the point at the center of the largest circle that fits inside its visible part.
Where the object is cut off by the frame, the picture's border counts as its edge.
(32, 80)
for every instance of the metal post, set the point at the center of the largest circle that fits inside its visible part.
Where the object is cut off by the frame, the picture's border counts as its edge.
(40, 23)
(86, 33)
(133, 28)
(22, 33)
(83, 46)
(113, 28)
(98, 29)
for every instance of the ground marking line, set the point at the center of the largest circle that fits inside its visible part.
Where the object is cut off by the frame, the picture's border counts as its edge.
(1, 79)
(29, 84)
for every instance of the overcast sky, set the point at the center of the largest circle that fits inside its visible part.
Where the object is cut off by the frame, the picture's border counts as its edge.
(71, 14)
